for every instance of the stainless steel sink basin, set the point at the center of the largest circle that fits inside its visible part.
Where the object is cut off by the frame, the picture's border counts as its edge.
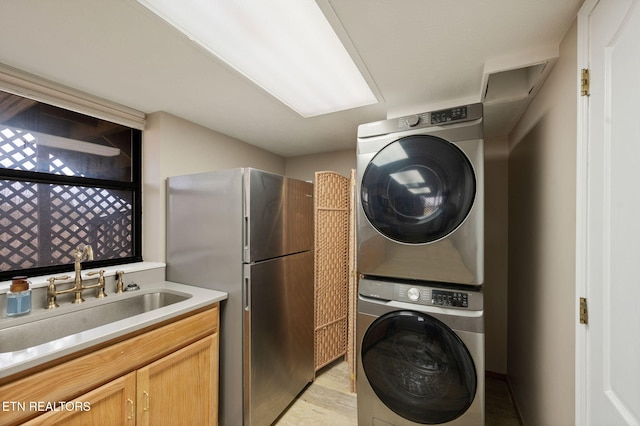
(50, 328)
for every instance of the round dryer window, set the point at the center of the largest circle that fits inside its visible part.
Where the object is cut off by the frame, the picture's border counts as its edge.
(418, 189)
(418, 367)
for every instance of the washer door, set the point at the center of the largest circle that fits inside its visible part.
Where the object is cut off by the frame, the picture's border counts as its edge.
(418, 189)
(418, 367)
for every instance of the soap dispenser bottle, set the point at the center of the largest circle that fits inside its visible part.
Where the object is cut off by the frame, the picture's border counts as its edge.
(18, 297)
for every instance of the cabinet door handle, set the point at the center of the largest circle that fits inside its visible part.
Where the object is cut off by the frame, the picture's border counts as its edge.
(146, 401)
(130, 402)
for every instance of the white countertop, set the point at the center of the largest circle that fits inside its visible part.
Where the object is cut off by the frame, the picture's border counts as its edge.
(110, 271)
(14, 362)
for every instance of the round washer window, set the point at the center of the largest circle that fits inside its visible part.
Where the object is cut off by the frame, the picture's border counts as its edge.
(418, 367)
(418, 189)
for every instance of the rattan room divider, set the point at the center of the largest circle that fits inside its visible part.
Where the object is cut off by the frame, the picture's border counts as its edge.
(334, 313)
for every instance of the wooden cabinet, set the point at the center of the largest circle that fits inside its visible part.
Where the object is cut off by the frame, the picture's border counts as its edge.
(183, 385)
(110, 404)
(166, 376)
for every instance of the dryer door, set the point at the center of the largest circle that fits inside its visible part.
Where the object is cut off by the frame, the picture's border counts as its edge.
(418, 367)
(418, 189)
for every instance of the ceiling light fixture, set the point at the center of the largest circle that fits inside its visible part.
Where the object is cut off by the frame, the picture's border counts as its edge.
(287, 47)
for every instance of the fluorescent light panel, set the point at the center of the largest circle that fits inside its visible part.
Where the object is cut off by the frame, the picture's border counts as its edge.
(60, 142)
(73, 144)
(287, 47)
(408, 177)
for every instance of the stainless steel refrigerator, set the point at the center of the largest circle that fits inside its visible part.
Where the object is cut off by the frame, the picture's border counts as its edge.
(250, 233)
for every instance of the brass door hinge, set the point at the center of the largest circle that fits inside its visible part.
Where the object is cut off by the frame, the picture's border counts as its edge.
(584, 82)
(584, 311)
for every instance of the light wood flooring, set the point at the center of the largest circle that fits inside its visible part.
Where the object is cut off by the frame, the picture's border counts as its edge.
(327, 401)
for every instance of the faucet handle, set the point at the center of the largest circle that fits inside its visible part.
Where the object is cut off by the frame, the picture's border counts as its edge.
(51, 291)
(119, 283)
(100, 294)
(62, 277)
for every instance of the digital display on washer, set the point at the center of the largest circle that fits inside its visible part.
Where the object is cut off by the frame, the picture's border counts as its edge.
(450, 298)
(448, 115)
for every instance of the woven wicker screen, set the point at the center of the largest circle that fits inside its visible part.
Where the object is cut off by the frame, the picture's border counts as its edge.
(332, 267)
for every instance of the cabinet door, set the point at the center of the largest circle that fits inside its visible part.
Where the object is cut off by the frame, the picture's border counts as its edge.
(110, 404)
(181, 387)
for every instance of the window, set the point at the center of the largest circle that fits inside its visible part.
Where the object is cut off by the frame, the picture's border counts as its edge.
(66, 180)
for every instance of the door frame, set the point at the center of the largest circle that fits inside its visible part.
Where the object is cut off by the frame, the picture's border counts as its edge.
(582, 193)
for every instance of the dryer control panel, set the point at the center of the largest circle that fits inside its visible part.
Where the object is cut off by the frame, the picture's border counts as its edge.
(449, 115)
(423, 120)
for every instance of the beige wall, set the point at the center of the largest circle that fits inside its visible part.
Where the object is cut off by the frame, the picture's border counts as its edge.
(541, 270)
(173, 146)
(305, 166)
(496, 253)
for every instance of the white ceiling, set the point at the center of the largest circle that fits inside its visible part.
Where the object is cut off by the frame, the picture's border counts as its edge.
(420, 54)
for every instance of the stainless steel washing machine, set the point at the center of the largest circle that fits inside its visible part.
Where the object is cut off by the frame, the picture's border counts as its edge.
(420, 355)
(421, 197)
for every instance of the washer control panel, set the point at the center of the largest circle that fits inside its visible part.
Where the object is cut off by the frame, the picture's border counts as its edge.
(431, 296)
(450, 298)
(422, 295)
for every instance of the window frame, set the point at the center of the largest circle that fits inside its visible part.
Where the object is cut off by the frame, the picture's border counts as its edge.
(134, 185)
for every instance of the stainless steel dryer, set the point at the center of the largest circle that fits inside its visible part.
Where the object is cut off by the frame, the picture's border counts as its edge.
(420, 355)
(420, 188)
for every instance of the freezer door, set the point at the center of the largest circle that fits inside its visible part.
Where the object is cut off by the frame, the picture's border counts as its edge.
(278, 216)
(204, 229)
(278, 335)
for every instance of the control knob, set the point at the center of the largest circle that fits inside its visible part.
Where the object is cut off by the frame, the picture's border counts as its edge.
(413, 294)
(413, 120)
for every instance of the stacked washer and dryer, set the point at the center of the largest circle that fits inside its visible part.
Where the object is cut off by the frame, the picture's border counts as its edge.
(420, 232)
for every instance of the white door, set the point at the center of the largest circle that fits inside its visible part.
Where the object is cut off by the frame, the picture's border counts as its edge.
(608, 381)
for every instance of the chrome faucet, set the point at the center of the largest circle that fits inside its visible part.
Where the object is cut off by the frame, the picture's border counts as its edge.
(77, 289)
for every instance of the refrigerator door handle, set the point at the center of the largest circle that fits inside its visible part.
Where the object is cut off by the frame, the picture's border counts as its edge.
(247, 292)
(246, 207)
(246, 239)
